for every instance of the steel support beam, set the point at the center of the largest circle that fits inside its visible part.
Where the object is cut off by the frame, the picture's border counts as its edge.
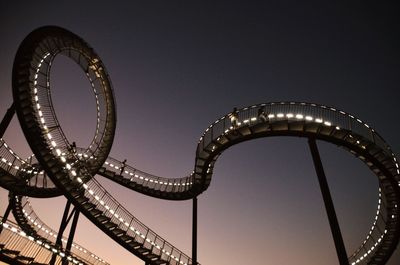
(7, 119)
(330, 209)
(194, 232)
(72, 230)
(7, 212)
(75, 212)
(66, 218)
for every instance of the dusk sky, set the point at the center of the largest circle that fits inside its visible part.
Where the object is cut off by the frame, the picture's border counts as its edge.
(176, 67)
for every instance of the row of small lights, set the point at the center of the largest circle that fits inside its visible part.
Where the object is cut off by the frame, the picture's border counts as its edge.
(9, 163)
(371, 231)
(299, 116)
(40, 243)
(370, 250)
(147, 179)
(74, 174)
(52, 233)
(48, 134)
(137, 232)
(270, 116)
(97, 98)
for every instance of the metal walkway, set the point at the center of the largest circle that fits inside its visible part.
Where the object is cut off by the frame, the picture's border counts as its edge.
(58, 167)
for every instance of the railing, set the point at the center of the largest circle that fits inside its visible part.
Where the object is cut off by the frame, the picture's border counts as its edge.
(75, 48)
(308, 112)
(132, 226)
(22, 170)
(49, 234)
(21, 245)
(173, 185)
(293, 111)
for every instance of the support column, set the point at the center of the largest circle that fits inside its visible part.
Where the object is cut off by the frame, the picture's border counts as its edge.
(7, 212)
(72, 230)
(75, 212)
(63, 225)
(194, 232)
(6, 120)
(330, 209)
(66, 218)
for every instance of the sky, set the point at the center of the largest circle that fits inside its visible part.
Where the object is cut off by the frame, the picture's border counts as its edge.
(177, 66)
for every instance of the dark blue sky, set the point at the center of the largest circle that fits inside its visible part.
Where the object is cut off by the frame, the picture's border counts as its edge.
(178, 66)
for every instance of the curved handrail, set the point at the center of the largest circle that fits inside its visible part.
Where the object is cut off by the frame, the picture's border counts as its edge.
(29, 248)
(26, 216)
(73, 176)
(146, 178)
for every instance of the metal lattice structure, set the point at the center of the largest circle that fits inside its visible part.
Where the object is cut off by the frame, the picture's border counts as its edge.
(60, 168)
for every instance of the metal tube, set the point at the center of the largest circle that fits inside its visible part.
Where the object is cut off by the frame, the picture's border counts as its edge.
(194, 232)
(6, 120)
(330, 209)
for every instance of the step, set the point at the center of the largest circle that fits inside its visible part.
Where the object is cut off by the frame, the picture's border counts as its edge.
(82, 200)
(110, 225)
(103, 219)
(10, 252)
(96, 212)
(135, 244)
(152, 256)
(24, 258)
(88, 206)
(118, 232)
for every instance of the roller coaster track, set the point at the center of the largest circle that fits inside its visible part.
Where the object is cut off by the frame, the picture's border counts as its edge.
(71, 170)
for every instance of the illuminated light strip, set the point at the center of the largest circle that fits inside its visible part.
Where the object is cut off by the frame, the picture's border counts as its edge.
(38, 242)
(53, 233)
(152, 180)
(371, 231)
(108, 208)
(317, 120)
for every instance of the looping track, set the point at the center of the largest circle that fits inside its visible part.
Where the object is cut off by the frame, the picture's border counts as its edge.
(72, 171)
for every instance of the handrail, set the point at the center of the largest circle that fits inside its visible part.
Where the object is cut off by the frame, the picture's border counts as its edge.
(19, 244)
(44, 231)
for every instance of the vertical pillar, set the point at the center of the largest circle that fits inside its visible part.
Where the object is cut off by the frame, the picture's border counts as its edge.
(63, 225)
(72, 230)
(330, 209)
(194, 232)
(6, 120)
(7, 212)
(75, 212)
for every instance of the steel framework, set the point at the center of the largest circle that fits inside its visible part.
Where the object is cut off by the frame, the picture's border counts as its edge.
(60, 168)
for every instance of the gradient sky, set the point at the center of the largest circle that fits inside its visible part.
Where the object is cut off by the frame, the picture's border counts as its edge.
(176, 67)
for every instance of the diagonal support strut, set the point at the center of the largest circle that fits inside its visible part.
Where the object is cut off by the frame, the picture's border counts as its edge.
(330, 209)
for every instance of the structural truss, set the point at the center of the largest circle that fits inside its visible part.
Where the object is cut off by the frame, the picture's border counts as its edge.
(57, 167)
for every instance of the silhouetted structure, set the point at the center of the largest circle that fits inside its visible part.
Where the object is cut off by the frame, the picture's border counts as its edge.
(59, 168)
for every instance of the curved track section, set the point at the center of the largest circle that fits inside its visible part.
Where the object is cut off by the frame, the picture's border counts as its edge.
(286, 119)
(74, 177)
(16, 247)
(24, 177)
(32, 225)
